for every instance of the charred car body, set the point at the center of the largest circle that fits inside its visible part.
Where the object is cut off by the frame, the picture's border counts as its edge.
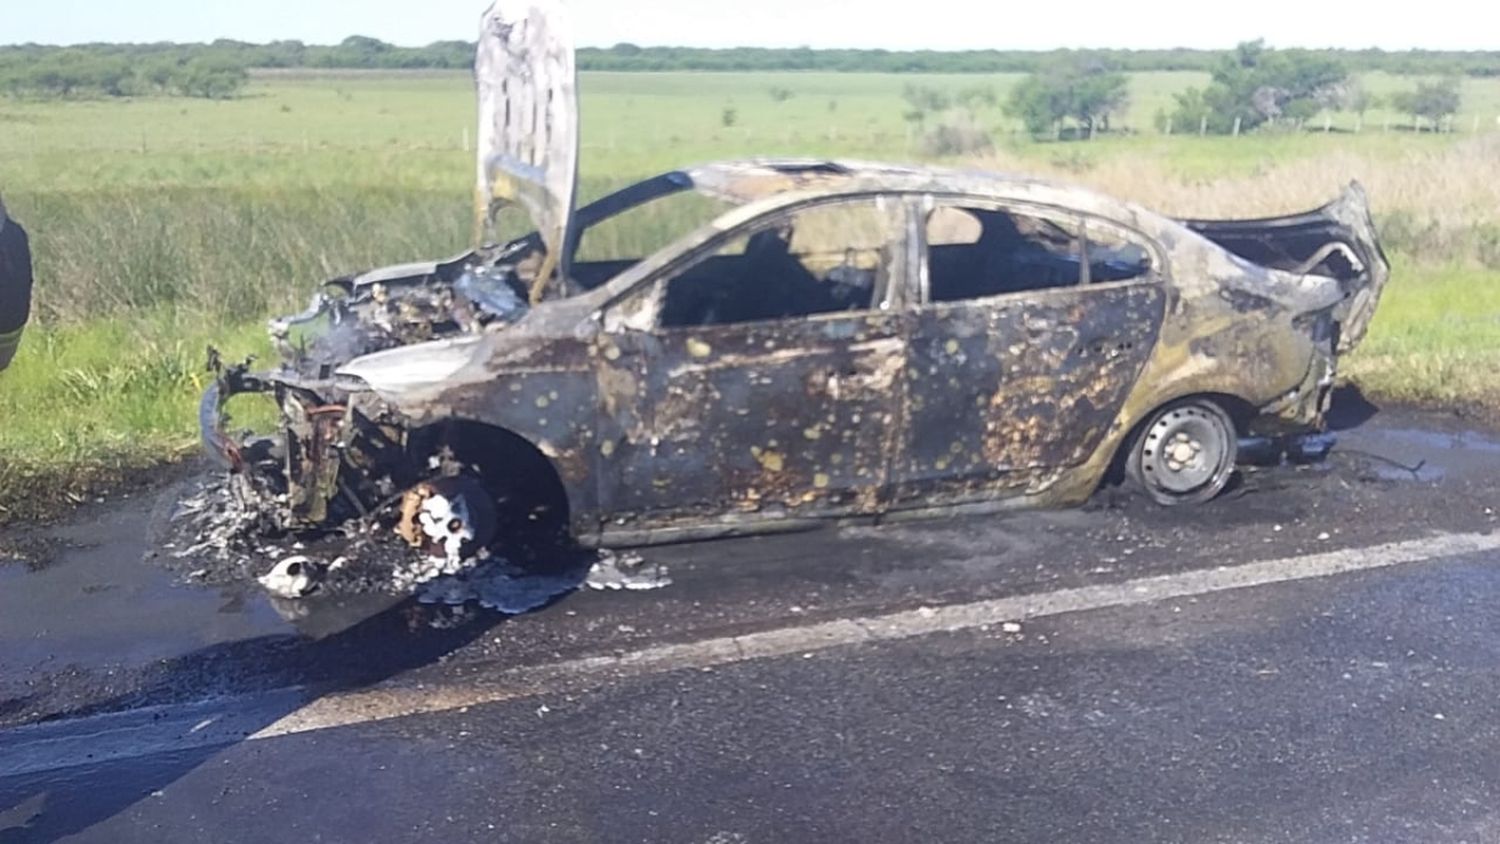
(838, 339)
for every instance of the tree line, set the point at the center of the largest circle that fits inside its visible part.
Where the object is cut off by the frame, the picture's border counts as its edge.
(629, 57)
(1250, 87)
(118, 71)
(219, 69)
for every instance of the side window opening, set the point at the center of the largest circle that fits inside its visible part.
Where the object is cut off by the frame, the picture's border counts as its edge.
(1114, 258)
(974, 253)
(824, 259)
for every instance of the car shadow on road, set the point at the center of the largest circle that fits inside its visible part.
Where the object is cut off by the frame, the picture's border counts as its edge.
(1350, 409)
(388, 641)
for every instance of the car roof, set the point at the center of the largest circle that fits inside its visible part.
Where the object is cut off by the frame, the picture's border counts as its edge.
(761, 181)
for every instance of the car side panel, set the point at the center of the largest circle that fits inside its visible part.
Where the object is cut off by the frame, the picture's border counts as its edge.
(1006, 395)
(780, 419)
(547, 394)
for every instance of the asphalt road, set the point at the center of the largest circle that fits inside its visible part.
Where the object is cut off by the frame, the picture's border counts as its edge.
(1310, 659)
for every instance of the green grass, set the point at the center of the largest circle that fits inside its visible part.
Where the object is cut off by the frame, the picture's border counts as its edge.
(86, 406)
(163, 225)
(1436, 338)
(407, 130)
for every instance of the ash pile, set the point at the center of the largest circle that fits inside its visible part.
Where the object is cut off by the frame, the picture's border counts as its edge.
(437, 542)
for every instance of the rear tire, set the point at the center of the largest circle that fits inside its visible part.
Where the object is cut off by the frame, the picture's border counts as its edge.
(1185, 453)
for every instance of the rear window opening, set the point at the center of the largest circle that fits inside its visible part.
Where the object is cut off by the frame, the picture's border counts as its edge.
(974, 253)
(1319, 247)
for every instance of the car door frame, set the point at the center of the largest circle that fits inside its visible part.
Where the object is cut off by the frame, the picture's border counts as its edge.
(631, 316)
(975, 472)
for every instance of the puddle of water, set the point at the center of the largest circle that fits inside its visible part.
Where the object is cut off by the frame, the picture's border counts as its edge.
(96, 603)
(1425, 456)
(1421, 472)
(1441, 440)
(96, 608)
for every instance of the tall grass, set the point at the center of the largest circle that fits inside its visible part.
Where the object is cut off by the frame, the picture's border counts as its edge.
(85, 405)
(226, 257)
(1439, 205)
(222, 256)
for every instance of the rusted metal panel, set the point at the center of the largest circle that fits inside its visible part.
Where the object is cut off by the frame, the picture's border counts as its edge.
(1006, 394)
(773, 418)
(549, 397)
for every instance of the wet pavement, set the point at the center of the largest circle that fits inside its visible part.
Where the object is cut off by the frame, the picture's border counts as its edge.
(1356, 706)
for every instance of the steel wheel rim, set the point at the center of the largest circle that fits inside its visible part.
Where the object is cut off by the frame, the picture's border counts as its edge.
(1184, 451)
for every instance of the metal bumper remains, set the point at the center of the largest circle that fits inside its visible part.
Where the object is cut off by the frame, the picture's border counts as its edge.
(328, 463)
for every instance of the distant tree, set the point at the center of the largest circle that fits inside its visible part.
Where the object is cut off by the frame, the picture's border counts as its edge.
(978, 97)
(1256, 84)
(279, 54)
(1082, 89)
(211, 78)
(1360, 99)
(957, 126)
(922, 101)
(365, 45)
(728, 117)
(1434, 101)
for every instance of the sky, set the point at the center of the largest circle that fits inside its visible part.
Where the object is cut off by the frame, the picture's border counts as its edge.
(890, 24)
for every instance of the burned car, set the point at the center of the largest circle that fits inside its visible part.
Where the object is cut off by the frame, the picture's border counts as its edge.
(793, 341)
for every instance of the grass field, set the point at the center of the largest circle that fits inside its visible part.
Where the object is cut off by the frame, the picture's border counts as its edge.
(161, 225)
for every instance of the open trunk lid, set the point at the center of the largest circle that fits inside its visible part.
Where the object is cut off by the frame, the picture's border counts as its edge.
(528, 124)
(1337, 240)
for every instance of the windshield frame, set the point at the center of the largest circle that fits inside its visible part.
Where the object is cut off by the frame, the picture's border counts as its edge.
(609, 206)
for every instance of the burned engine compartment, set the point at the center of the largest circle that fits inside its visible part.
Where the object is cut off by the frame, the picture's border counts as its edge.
(346, 497)
(342, 463)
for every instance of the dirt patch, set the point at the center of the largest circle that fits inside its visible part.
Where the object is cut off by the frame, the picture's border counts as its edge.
(32, 551)
(32, 497)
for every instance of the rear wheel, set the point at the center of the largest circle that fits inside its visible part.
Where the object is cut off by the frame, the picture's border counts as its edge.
(1185, 453)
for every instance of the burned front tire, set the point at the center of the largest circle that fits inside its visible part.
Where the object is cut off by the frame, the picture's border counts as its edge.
(1185, 453)
(526, 498)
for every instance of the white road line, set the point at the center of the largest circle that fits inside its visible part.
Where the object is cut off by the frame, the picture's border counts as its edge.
(144, 732)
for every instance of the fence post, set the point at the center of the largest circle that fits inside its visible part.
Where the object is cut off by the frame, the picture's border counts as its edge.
(1169, 126)
(1203, 126)
(1327, 123)
(1237, 126)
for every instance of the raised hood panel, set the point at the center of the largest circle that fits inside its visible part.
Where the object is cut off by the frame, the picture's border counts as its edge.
(528, 122)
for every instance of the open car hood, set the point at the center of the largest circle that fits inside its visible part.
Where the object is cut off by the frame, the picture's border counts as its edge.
(528, 124)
